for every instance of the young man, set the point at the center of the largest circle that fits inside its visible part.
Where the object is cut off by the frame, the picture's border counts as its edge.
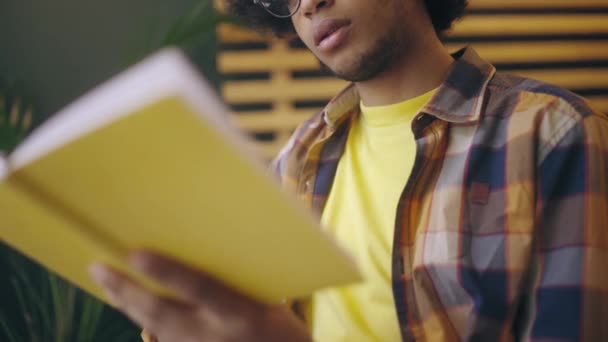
(476, 203)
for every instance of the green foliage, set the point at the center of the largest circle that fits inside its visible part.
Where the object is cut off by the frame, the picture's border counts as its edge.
(199, 22)
(16, 119)
(195, 33)
(47, 308)
(36, 305)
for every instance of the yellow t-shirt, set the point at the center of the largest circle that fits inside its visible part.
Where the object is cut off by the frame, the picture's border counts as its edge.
(360, 212)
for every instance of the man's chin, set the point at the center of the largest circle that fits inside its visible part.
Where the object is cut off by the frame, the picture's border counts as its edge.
(347, 74)
(359, 65)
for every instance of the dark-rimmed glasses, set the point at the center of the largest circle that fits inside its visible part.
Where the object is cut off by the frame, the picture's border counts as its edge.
(279, 8)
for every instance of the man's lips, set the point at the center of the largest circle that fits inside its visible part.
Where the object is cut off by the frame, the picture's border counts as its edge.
(325, 30)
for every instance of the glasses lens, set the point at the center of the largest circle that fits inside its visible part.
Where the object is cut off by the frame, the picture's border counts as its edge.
(281, 8)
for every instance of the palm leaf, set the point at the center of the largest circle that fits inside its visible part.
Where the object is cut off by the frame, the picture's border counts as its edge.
(16, 117)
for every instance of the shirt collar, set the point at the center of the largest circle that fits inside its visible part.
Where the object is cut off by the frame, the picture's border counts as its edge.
(459, 99)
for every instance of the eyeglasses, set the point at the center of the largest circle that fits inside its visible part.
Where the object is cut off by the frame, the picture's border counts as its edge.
(279, 8)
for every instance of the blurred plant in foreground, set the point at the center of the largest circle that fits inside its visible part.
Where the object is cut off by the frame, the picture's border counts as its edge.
(35, 304)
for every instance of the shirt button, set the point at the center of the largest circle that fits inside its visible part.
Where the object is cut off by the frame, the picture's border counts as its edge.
(307, 185)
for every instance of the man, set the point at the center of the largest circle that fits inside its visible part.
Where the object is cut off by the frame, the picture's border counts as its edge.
(476, 203)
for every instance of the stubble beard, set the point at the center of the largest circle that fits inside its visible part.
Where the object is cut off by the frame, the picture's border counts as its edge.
(383, 54)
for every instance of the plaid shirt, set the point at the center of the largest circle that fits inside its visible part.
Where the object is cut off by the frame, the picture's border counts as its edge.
(502, 229)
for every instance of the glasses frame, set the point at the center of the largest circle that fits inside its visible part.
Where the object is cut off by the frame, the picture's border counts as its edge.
(260, 3)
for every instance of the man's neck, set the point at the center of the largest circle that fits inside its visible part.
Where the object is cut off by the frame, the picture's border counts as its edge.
(423, 69)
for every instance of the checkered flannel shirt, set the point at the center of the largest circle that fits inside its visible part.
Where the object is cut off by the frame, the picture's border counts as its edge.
(501, 232)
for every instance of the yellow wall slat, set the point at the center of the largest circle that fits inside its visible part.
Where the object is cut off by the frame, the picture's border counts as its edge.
(518, 33)
(528, 4)
(269, 149)
(599, 102)
(320, 88)
(229, 33)
(534, 24)
(268, 91)
(266, 60)
(571, 78)
(485, 25)
(496, 52)
(260, 121)
(543, 51)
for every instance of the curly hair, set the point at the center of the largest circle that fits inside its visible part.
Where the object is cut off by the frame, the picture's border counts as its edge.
(442, 13)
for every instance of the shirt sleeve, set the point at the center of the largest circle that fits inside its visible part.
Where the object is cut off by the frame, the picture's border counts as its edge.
(568, 299)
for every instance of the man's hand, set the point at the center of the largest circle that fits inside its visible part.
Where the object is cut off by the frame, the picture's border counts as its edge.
(206, 311)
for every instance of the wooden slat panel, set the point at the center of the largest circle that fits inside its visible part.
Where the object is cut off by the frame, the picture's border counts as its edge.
(268, 149)
(236, 34)
(319, 88)
(496, 52)
(543, 51)
(600, 102)
(532, 4)
(268, 91)
(485, 25)
(571, 78)
(265, 60)
(264, 120)
(517, 4)
(502, 38)
(536, 24)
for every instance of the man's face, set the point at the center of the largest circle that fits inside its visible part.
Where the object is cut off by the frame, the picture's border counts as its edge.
(355, 39)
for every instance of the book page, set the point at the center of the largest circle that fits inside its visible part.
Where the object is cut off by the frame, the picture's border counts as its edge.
(163, 179)
(149, 160)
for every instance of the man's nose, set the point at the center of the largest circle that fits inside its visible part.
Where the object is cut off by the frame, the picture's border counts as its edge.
(310, 7)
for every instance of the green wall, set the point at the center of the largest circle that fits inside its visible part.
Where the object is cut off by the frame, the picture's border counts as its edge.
(58, 49)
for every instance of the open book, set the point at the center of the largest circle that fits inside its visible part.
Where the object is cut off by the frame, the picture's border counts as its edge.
(149, 159)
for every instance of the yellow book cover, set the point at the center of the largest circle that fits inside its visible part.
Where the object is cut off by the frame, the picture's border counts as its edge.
(149, 160)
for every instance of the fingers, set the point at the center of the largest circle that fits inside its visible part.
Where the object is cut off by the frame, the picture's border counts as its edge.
(188, 283)
(143, 307)
(238, 319)
(171, 319)
(220, 306)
